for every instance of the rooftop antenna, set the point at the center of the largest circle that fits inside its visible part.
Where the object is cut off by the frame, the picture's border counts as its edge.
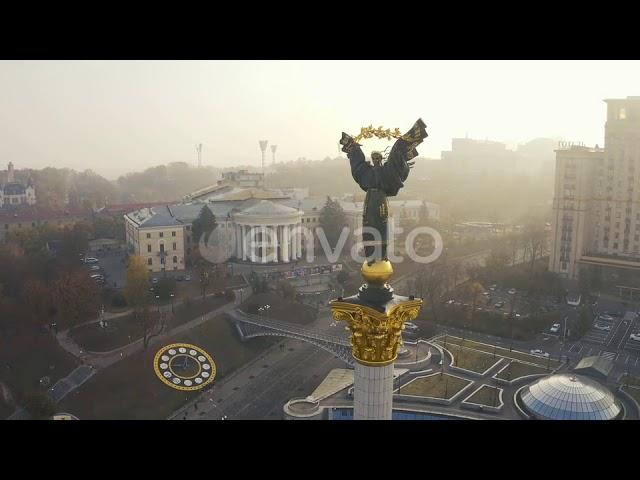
(199, 150)
(273, 152)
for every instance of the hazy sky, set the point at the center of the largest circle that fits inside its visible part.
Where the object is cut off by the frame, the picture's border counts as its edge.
(118, 116)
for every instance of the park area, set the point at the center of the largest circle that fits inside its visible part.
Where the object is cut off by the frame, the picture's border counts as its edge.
(25, 358)
(630, 381)
(634, 392)
(517, 370)
(129, 389)
(438, 385)
(486, 395)
(123, 330)
(500, 351)
(469, 358)
(280, 308)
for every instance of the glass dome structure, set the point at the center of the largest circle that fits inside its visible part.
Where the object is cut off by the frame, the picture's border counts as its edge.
(568, 396)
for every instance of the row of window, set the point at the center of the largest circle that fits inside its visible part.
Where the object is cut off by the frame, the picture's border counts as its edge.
(150, 260)
(161, 247)
(161, 234)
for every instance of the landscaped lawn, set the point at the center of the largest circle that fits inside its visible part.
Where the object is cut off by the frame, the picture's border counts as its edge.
(124, 330)
(470, 359)
(436, 386)
(129, 389)
(629, 380)
(27, 356)
(280, 309)
(634, 392)
(487, 395)
(518, 369)
(504, 352)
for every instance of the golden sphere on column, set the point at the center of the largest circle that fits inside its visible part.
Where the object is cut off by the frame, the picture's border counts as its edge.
(378, 272)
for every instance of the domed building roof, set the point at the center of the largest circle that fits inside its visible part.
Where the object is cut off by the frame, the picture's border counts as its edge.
(265, 207)
(568, 396)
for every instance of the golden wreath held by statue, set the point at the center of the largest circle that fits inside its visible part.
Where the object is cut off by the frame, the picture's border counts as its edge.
(380, 132)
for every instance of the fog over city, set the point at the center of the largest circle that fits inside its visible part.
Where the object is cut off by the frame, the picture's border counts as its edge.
(119, 116)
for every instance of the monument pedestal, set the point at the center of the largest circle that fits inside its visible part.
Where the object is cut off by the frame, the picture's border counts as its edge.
(373, 392)
(376, 318)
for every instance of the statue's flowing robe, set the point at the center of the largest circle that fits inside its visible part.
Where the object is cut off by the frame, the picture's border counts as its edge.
(380, 182)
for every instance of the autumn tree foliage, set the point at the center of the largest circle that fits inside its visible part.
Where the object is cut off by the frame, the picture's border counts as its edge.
(77, 297)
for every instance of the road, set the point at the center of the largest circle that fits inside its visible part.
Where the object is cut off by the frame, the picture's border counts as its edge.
(260, 389)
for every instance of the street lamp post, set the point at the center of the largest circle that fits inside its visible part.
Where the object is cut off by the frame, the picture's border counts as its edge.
(172, 296)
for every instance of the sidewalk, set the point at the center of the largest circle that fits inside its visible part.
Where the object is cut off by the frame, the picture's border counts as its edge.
(105, 359)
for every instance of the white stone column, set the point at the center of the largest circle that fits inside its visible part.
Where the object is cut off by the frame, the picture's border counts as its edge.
(373, 392)
(293, 233)
(274, 242)
(243, 229)
(263, 250)
(238, 249)
(252, 244)
(299, 244)
(285, 243)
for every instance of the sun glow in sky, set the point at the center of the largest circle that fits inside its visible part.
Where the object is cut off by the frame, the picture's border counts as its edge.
(118, 116)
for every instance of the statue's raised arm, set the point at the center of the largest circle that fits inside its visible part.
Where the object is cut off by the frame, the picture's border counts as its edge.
(396, 168)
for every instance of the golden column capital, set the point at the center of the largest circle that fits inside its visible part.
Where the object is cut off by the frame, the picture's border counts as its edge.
(375, 336)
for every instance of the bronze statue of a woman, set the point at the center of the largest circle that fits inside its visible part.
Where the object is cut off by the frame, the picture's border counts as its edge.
(381, 180)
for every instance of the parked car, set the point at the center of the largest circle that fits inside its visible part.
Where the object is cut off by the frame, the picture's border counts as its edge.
(635, 336)
(606, 317)
(512, 291)
(539, 353)
(94, 268)
(91, 260)
(599, 326)
(180, 278)
(555, 328)
(499, 305)
(187, 278)
(486, 294)
(450, 302)
(154, 280)
(493, 287)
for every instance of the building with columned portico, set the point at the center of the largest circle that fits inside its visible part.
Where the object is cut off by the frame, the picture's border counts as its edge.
(255, 225)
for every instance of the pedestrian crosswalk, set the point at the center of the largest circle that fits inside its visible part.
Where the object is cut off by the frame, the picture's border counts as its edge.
(610, 355)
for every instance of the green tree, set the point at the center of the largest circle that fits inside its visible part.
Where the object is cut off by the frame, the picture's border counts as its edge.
(286, 290)
(136, 290)
(137, 294)
(332, 220)
(203, 225)
(77, 297)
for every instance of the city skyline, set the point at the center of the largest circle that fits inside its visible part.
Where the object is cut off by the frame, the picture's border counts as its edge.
(119, 116)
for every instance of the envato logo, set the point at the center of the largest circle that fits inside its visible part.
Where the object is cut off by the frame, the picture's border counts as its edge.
(278, 244)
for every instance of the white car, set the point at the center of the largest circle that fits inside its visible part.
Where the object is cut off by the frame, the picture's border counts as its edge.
(604, 328)
(635, 336)
(606, 317)
(493, 287)
(539, 353)
(410, 326)
(555, 328)
(512, 291)
(90, 260)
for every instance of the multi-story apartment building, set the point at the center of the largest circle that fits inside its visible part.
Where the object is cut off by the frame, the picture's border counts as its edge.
(596, 206)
